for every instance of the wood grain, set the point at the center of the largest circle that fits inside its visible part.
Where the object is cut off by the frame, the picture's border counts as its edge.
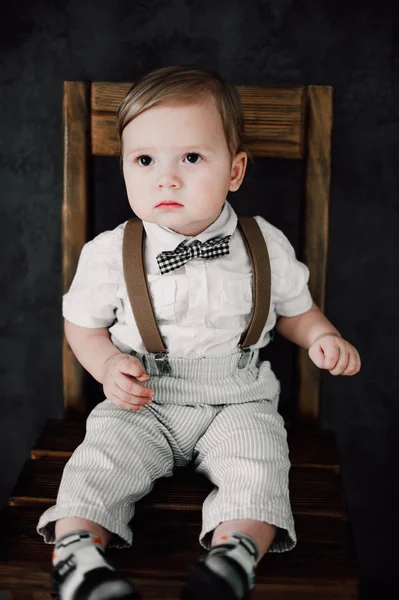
(75, 202)
(273, 119)
(316, 232)
(312, 490)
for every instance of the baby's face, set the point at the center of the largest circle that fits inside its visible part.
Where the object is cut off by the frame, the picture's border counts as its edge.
(178, 153)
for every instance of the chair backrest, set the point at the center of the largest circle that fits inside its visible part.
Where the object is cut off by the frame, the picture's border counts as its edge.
(291, 123)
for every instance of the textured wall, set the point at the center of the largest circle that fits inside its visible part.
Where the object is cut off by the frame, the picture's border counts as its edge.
(254, 42)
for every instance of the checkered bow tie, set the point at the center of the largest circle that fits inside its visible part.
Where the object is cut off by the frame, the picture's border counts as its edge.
(170, 260)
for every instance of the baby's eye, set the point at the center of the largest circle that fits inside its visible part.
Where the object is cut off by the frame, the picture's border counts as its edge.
(193, 157)
(143, 160)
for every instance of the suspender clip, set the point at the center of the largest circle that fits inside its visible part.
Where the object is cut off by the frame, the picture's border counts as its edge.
(162, 363)
(246, 354)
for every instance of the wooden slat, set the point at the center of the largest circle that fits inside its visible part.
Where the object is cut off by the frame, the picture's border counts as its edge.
(106, 96)
(312, 491)
(308, 445)
(166, 545)
(59, 435)
(154, 588)
(76, 106)
(273, 119)
(316, 227)
(25, 595)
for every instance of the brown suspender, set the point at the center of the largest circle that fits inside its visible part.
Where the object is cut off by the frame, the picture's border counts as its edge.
(140, 299)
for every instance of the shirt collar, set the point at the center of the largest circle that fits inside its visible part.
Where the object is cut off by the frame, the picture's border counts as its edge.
(162, 238)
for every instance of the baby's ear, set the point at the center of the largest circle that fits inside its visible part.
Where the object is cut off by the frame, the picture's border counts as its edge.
(238, 168)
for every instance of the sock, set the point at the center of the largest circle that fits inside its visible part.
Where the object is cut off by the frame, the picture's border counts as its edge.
(78, 560)
(232, 557)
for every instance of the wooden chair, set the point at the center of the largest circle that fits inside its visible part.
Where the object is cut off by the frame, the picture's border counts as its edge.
(290, 123)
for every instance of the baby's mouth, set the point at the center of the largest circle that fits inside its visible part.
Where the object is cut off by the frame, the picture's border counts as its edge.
(168, 204)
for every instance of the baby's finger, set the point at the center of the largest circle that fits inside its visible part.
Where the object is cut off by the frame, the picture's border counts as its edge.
(132, 366)
(129, 385)
(331, 356)
(342, 362)
(129, 401)
(317, 356)
(131, 398)
(143, 377)
(353, 364)
(126, 405)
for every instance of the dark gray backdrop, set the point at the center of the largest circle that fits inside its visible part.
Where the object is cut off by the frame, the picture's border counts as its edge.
(349, 45)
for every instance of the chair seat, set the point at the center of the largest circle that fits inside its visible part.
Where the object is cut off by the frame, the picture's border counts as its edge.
(167, 524)
(313, 490)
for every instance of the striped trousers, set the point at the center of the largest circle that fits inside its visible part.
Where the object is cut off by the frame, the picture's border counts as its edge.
(219, 414)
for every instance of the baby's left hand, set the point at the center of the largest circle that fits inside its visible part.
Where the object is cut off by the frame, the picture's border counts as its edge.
(335, 354)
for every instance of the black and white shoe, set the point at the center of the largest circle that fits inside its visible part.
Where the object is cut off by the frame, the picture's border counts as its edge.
(100, 583)
(205, 581)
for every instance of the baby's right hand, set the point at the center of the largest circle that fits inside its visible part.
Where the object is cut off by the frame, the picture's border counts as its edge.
(120, 373)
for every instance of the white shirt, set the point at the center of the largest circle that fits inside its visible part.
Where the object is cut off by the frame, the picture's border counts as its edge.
(203, 307)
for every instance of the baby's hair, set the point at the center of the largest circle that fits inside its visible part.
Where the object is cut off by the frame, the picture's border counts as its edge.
(188, 85)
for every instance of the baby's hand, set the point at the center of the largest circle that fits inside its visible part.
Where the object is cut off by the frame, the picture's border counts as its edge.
(335, 354)
(119, 382)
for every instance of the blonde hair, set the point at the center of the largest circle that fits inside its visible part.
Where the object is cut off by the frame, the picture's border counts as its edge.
(186, 84)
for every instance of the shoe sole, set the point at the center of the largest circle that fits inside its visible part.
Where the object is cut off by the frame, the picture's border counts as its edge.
(115, 590)
(100, 584)
(203, 584)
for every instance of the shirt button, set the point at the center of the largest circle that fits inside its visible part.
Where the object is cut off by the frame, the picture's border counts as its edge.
(247, 296)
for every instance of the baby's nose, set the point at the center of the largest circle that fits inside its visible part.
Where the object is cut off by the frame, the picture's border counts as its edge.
(169, 180)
